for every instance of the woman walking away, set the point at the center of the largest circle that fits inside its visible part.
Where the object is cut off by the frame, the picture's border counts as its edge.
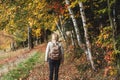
(54, 56)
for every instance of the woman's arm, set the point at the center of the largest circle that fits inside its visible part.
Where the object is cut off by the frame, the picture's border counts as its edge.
(47, 51)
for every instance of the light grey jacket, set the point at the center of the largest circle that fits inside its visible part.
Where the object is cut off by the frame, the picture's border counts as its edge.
(48, 48)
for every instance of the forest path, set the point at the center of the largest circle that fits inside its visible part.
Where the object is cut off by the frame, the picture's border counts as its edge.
(71, 69)
(41, 72)
(67, 71)
(11, 59)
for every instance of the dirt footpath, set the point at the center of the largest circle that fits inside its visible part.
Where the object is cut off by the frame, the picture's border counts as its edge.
(12, 59)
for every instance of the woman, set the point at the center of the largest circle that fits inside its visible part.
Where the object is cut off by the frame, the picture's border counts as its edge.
(54, 63)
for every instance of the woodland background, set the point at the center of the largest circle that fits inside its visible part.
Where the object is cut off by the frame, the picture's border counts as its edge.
(88, 29)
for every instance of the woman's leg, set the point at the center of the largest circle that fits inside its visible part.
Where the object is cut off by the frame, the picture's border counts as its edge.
(51, 67)
(57, 69)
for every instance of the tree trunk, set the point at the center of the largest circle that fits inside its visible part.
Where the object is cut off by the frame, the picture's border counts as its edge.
(60, 30)
(88, 46)
(30, 39)
(37, 40)
(72, 38)
(23, 43)
(45, 36)
(117, 22)
(113, 26)
(12, 46)
(74, 22)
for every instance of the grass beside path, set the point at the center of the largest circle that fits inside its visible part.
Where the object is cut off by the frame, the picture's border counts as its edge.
(23, 69)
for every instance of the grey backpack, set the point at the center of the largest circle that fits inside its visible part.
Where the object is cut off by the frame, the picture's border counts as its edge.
(55, 52)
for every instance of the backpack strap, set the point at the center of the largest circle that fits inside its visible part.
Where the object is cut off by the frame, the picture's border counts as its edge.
(57, 43)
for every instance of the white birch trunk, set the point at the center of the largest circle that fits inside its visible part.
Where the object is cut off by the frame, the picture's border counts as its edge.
(60, 30)
(88, 46)
(72, 38)
(61, 23)
(74, 22)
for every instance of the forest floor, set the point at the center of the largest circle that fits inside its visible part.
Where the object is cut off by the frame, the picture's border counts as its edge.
(11, 59)
(71, 69)
(68, 71)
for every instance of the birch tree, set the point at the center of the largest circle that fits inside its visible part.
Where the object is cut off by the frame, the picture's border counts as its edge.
(72, 38)
(74, 22)
(88, 46)
(60, 30)
(62, 27)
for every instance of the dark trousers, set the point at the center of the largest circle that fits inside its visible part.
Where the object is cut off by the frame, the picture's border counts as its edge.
(54, 69)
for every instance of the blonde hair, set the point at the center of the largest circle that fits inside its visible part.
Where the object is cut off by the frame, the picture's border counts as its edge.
(55, 37)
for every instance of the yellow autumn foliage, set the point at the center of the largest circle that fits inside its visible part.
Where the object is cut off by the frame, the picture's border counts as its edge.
(38, 32)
